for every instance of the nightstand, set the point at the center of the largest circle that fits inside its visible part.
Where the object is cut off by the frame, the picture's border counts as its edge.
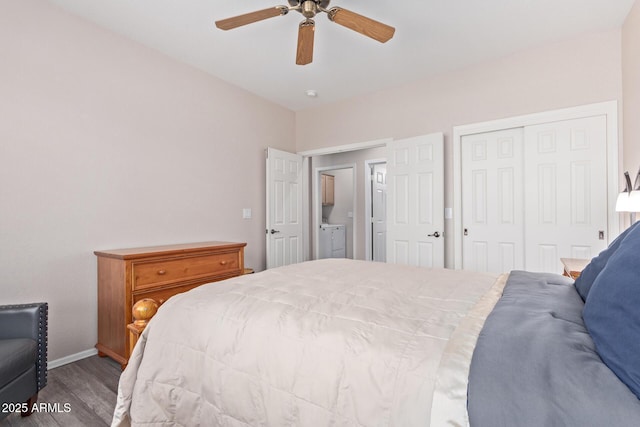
(573, 266)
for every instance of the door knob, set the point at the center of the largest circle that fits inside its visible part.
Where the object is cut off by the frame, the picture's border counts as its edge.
(436, 235)
(274, 231)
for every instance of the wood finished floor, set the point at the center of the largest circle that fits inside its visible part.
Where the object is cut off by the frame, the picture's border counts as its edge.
(89, 386)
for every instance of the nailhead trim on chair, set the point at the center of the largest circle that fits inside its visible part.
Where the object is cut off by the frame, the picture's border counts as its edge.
(42, 345)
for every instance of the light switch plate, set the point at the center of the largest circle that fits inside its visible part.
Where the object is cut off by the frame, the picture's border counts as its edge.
(246, 213)
(448, 213)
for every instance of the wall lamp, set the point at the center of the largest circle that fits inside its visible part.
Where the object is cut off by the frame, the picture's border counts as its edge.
(629, 199)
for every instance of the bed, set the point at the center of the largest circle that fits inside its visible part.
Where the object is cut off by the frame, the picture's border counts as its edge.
(352, 343)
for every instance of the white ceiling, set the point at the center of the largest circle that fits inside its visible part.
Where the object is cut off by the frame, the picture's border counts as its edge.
(432, 36)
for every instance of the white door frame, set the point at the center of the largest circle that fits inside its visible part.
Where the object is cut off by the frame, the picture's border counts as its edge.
(608, 109)
(316, 214)
(367, 204)
(344, 148)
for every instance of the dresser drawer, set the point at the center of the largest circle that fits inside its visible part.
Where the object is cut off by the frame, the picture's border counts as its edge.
(150, 274)
(161, 296)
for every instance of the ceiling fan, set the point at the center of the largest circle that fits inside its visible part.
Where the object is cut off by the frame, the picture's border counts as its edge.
(309, 8)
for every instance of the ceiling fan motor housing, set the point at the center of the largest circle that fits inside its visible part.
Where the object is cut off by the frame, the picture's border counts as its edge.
(322, 3)
(309, 8)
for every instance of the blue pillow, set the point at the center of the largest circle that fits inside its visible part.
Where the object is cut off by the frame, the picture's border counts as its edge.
(591, 271)
(612, 311)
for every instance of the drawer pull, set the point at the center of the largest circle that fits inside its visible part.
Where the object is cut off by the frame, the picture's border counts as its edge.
(162, 272)
(223, 262)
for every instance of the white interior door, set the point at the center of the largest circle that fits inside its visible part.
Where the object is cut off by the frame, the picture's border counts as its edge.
(284, 208)
(566, 191)
(492, 201)
(379, 211)
(415, 201)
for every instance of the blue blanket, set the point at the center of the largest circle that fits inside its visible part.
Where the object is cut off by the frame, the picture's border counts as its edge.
(536, 365)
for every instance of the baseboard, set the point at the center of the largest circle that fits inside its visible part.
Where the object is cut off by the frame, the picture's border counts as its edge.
(71, 358)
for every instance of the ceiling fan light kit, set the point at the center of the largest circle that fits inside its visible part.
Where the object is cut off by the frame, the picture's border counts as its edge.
(306, 30)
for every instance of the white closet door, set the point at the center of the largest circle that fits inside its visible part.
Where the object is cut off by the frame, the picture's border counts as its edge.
(565, 191)
(492, 201)
(415, 201)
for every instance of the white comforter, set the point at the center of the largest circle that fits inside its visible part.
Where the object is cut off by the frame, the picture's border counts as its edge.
(322, 343)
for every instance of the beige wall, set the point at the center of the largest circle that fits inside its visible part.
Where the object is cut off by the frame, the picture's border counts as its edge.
(574, 72)
(107, 144)
(631, 89)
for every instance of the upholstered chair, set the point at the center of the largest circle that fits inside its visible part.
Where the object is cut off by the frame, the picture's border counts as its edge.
(23, 355)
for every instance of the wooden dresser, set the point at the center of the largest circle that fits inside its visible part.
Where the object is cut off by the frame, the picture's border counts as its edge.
(159, 272)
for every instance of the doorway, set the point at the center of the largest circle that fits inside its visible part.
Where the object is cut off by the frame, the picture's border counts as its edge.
(339, 158)
(415, 174)
(414, 168)
(335, 202)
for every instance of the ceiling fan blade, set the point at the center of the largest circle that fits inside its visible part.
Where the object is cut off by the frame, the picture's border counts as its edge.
(365, 26)
(306, 32)
(249, 18)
